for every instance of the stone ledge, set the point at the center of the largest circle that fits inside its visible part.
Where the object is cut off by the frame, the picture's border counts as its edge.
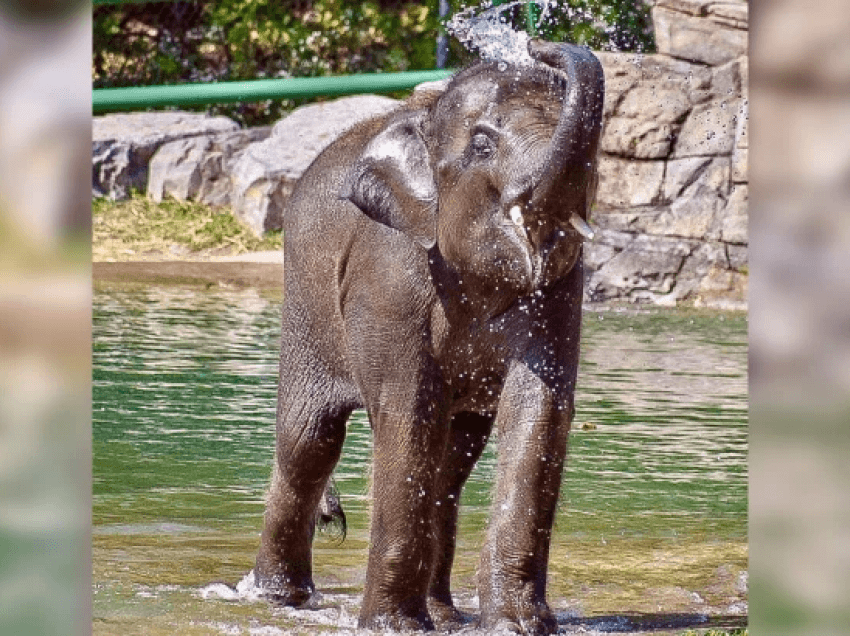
(736, 13)
(693, 38)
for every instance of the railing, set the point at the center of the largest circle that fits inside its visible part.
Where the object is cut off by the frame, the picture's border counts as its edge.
(104, 99)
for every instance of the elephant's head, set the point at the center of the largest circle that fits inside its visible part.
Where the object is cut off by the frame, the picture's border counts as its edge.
(498, 172)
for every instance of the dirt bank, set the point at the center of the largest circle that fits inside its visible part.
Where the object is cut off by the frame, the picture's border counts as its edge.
(257, 269)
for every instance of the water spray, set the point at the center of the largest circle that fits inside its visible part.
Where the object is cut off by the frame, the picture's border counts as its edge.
(490, 33)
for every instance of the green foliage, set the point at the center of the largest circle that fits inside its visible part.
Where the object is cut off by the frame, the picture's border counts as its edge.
(146, 43)
(323, 37)
(225, 40)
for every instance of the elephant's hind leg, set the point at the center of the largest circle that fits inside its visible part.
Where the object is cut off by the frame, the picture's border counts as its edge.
(468, 437)
(310, 433)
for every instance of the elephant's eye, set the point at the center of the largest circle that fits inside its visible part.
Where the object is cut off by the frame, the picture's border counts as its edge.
(481, 145)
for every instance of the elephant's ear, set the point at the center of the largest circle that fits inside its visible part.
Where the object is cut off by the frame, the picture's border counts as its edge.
(392, 181)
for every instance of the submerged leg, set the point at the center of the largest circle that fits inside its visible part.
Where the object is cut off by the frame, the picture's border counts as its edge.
(468, 437)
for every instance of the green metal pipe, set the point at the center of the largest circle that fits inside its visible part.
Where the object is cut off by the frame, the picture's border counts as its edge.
(104, 99)
(98, 3)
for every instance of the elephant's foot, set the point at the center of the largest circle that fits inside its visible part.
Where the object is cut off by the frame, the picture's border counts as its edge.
(289, 598)
(281, 590)
(395, 621)
(447, 618)
(535, 620)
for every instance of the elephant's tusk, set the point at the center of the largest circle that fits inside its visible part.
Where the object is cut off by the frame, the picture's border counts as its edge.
(582, 227)
(516, 215)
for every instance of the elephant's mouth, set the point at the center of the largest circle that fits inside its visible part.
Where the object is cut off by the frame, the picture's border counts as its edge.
(550, 249)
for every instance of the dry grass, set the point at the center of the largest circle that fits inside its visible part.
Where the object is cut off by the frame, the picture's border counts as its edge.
(140, 229)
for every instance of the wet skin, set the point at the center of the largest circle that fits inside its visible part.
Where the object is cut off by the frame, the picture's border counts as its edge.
(433, 277)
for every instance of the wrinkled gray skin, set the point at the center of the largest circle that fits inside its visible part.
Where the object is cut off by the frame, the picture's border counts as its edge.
(410, 292)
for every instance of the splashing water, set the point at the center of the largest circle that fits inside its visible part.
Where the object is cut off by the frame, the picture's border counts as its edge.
(246, 590)
(488, 29)
(490, 33)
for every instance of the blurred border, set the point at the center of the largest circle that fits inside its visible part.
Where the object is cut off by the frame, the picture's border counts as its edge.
(45, 300)
(800, 317)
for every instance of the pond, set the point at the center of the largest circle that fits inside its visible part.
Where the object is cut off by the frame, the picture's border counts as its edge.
(652, 525)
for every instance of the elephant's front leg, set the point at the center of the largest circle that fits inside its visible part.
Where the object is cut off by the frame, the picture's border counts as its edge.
(533, 424)
(467, 439)
(410, 432)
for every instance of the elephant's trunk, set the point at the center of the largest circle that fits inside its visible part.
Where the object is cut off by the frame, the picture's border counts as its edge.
(567, 182)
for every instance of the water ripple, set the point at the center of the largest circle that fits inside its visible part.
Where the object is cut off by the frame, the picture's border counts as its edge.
(184, 399)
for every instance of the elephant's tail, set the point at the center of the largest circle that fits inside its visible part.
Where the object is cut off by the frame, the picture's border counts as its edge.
(329, 515)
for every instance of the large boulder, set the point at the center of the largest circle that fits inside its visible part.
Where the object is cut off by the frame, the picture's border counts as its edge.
(709, 130)
(262, 176)
(722, 288)
(646, 100)
(734, 221)
(199, 168)
(694, 209)
(123, 144)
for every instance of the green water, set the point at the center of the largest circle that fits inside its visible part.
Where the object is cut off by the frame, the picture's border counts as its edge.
(652, 527)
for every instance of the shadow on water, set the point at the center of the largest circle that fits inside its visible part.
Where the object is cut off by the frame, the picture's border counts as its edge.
(651, 533)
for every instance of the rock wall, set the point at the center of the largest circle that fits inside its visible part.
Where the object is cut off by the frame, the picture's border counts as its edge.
(672, 200)
(671, 207)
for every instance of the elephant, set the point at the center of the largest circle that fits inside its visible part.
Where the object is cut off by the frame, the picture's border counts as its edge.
(433, 277)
